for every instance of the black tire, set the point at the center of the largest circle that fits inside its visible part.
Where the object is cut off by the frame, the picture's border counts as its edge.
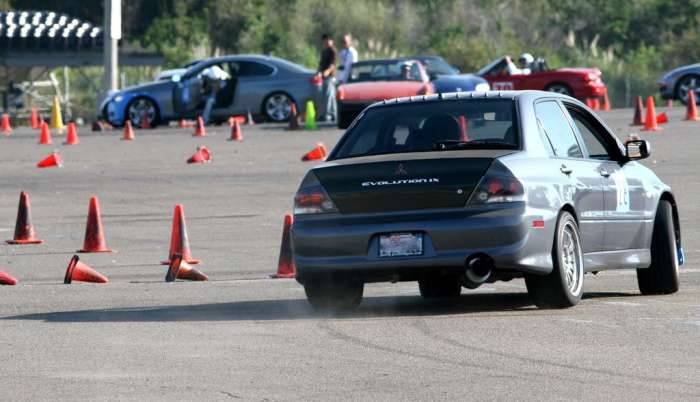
(440, 287)
(688, 80)
(560, 89)
(662, 276)
(334, 297)
(563, 287)
(344, 118)
(137, 106)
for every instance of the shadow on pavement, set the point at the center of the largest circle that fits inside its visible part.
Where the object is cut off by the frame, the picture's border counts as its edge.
(299, 309)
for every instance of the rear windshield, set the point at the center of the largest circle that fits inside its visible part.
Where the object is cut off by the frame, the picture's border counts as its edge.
(432, 126)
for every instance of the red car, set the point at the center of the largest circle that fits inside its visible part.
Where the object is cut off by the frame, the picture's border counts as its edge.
(580, 83)
(376, 80)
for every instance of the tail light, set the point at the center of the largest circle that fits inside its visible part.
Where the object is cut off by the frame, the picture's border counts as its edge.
(340, 95)
(311, 198)
(497, 185)
(316, 80)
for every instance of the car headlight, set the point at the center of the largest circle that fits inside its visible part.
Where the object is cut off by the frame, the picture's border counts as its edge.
(483, 87)
(118, 99)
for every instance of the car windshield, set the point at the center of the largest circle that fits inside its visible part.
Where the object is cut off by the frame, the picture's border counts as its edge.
(385, 71)
(438, 66)
(432, 126)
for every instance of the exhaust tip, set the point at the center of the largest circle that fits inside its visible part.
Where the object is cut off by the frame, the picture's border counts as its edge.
(479, 268)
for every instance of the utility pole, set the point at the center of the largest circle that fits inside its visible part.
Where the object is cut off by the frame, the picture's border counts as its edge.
(112, 34)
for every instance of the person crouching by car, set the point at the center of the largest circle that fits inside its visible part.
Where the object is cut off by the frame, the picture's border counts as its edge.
(214, 79)
(326, 70)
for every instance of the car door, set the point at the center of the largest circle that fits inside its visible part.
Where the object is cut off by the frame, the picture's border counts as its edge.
(187, 93)
(254, 84)
(624, 200)
(576, 178)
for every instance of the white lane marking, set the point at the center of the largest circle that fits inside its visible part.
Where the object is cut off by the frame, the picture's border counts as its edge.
(623, 303)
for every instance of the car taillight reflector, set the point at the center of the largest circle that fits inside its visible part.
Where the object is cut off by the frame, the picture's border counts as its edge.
(316, 80)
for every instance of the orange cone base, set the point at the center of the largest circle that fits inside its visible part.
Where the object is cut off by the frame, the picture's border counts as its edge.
(102, 250)
(191, 262)
(291, 275)
(27, 241)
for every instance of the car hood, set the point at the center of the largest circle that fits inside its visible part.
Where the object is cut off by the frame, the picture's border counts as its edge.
(146, 87)
(379, 90)
(681, 70)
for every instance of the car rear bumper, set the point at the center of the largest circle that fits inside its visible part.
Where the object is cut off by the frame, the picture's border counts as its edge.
(341, 247)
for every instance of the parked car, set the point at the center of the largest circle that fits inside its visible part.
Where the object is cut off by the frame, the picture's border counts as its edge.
(458, 190)
(447, 78)
(676, 83)
(580, 83)
(262, 85)
(375, 80)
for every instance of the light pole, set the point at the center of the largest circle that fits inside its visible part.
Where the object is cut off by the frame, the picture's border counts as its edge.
(113, 32)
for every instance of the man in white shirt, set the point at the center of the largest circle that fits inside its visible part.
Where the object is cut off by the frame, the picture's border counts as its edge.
(347, 56)
(214, 79)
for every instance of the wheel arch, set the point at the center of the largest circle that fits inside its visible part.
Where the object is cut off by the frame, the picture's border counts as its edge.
(562, 83)
(668, 196)
(570, 209)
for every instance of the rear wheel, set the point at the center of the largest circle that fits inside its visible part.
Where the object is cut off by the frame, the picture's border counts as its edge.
(344, 118)
(278, 107)
(334, 297)
(440, 287)
(662, 276)
(563, 287)
(560, 89)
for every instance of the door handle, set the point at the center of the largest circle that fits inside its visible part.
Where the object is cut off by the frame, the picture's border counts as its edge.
(604, 173)
(566, 170)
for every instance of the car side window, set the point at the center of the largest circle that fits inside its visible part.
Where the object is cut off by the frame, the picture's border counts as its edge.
(253, 69)
(558, 130)
(592, 137)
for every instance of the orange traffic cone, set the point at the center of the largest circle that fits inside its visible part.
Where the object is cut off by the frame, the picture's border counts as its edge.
(236, 132)
(285, 265)
(24, 230)
(179, 269)
(596, 104)
(7, 279)
(249, 119)
(182, 123)
(650, 123)
(199, 130)
(293, 118)
(128, 131)
(202, 155)
(662, 118)
(179, 241)
(45, 135)
(145, 122)
(669, 103)
(606, 103)
(94, 235)
(5, 126)
(34, 119)
(319, 152)
(53, 160)
(80, 272)
(638, 119)
(691, 113)
(72, 135)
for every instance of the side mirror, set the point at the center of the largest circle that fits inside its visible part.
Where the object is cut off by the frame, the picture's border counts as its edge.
(637, 149)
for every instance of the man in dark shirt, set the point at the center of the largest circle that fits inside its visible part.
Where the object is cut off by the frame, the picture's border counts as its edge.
(326, 70)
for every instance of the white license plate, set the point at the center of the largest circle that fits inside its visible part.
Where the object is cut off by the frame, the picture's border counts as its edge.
(400, 244)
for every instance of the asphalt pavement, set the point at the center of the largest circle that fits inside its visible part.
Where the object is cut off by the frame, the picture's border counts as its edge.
(243, 336)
